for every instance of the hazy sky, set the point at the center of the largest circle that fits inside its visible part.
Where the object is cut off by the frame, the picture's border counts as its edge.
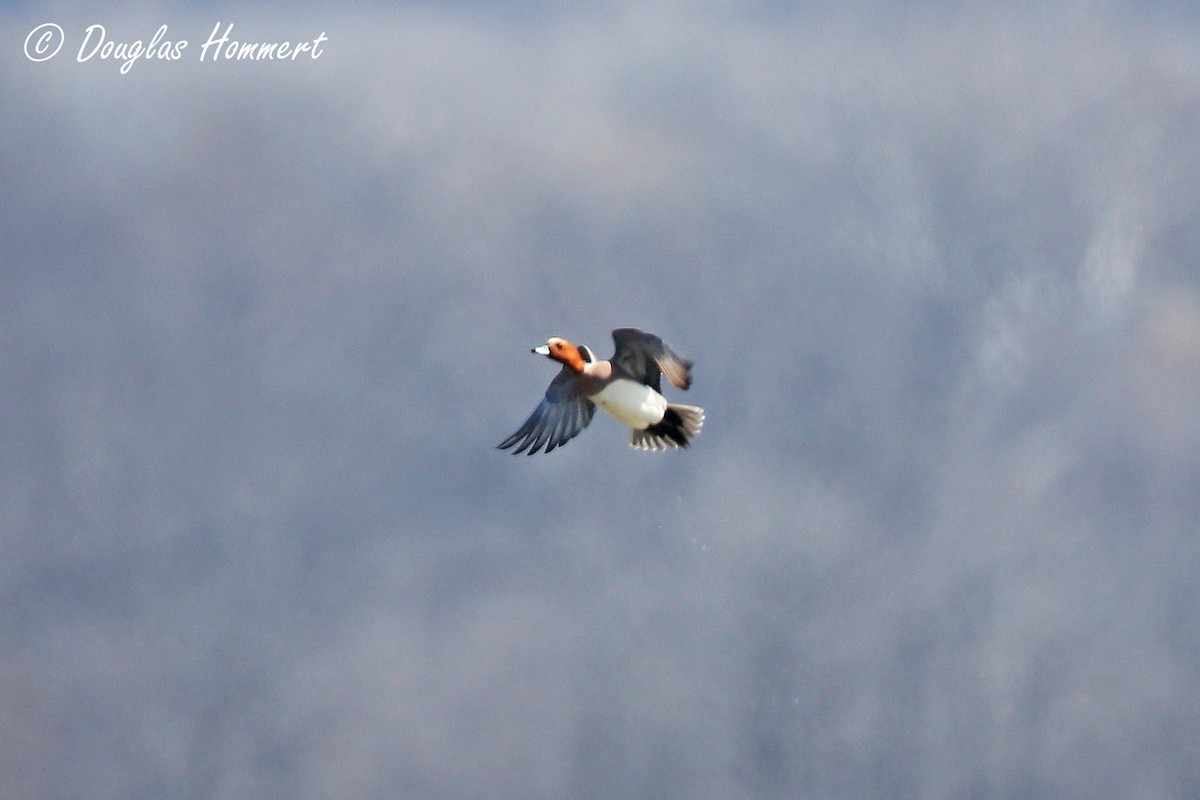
(262, 324)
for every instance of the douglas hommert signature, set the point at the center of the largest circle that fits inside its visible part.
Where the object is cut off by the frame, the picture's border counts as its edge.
(44, 42)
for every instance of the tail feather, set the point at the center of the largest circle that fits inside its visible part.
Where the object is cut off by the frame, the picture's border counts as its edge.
(679, 425)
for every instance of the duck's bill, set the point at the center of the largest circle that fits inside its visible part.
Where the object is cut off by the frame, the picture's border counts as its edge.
(542, 350)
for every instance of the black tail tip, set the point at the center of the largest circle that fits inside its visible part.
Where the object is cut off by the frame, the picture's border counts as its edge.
(670, 427)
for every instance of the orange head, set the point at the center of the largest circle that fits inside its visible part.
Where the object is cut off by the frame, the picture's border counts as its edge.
(563, 351)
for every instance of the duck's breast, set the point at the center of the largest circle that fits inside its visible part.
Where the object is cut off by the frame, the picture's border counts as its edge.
(634, 403)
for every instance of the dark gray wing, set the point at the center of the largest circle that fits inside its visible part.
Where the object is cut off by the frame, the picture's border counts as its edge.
(645, 357)
(558, 419)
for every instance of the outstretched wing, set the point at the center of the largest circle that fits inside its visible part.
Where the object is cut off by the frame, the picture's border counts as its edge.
(562, 414)
(645, 357)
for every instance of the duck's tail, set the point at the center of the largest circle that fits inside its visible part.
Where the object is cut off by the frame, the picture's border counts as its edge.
(678, 427)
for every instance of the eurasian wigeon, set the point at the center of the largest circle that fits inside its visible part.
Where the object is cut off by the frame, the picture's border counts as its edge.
(626, 386)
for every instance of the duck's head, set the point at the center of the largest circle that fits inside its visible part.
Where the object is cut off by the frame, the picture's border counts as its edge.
(573, 356)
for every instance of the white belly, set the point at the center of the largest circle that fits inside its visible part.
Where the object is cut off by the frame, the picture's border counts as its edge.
(635, 404)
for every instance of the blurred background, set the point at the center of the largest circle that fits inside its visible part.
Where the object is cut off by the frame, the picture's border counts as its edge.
(262, 324)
